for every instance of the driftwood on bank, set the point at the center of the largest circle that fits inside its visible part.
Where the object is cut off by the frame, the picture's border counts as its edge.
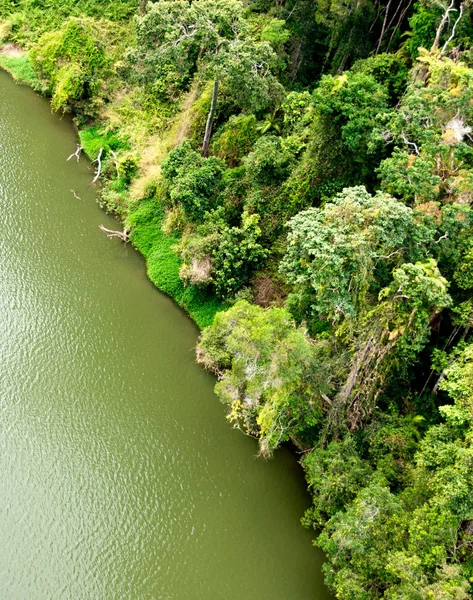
(99, 165)
(76, 153)
(111, 233)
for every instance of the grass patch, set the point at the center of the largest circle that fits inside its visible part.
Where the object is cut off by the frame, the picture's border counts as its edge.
(162, 263)
(19, 67)
(94, 138)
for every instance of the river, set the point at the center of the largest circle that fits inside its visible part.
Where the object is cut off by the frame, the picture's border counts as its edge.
(120, 478)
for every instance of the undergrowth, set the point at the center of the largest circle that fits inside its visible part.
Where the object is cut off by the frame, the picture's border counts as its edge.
(19, 67)
(144, 220)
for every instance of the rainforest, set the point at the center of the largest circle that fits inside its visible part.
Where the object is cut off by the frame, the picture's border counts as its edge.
(298, 176)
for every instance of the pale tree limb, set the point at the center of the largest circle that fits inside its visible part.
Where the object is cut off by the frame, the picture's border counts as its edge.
(210, 120)
(76, 153)
(111, 233)
(399, 22)
(444, 20)
(99, 165)
(442, 237)
(410, 143)
(383, 29)
(75, 195)
(453, 30)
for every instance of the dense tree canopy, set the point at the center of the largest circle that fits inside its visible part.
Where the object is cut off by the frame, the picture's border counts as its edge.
(299, 177)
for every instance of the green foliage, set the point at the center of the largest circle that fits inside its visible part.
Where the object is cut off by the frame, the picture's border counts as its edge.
(276, 33)
(333, 251)
(247, 346)
(353, 104)
(173, 35)
(195, 183)
(334, 475)
(163, 264)
(96, 139)
(269, 163)
(174, 38)
(425, 21)
(344, 146)
(379, 287)
(297, 108)
(429, 131)
(458, 380)
(49, 15)
(347, 25)
(238, 254)
(389, 70)
(19, 66)
(235, 139)
(246, 70)
(70, 61)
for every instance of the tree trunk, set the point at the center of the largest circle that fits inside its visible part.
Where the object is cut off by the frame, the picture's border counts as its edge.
(210, 120)
(443, 22)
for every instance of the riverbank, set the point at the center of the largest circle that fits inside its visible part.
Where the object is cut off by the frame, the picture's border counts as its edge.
(15, 61)
(120, 478)
(293, 160)
(143, 216)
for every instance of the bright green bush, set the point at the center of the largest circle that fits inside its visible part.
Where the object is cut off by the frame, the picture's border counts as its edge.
(20, 69)
(235, 139)
(163, 265)
(95, 138)
(70, 61)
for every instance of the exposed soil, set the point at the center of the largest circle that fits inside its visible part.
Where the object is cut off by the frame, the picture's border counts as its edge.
(11, 50)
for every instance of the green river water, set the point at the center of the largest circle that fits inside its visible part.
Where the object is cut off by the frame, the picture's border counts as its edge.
(119, 477)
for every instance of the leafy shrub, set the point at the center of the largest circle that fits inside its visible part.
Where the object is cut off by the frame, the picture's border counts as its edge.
(235, 139)
(70, 60)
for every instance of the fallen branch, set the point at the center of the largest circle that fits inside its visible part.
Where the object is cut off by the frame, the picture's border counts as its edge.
(76, 153)
(111, 233)
(99, 165)
(75, 195)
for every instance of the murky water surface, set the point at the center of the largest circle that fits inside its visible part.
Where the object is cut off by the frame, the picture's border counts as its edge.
(120, 478)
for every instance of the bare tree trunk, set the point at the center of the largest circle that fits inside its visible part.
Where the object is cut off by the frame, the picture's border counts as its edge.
(210, 120)
(99, 165)
(76, 153)
(383, 29)
(444, 20)
(399, 23)
(453, 30)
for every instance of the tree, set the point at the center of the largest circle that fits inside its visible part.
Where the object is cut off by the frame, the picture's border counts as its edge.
(335, 475)
(193, 182)
(237, 255)
(174, 36)
(357, 542)
(175, 39)
(432, 155)
(344, 147)
(71, 60)
(386, 337)
(458, 381)
(333, 252)
(266, 367)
